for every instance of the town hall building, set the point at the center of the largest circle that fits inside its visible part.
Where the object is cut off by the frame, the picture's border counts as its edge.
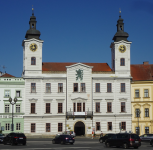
(78, 97)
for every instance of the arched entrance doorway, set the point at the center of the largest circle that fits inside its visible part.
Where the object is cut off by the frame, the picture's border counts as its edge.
(79, 128)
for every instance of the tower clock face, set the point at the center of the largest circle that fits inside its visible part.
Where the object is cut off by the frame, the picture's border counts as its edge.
(33, 47)
(122, 48)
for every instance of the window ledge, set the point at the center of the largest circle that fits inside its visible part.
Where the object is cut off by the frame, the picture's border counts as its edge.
(146, 117)
(60, 92)
(33, 92)
(78, 92)
(32, 113)
(60, 113)
(137, 97)
(122, 92)
(97, 112)
(97, 92)
(109, 92)
(146, 97)
(109, 112)
(47, 113)
(18, 97)
(6, 97)
(123, 112)
(47, 92)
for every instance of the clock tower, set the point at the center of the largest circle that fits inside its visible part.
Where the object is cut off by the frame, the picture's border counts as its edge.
(32, 50)
(120, 50)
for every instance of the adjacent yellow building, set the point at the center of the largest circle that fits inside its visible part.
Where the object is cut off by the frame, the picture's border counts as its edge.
(142, 98)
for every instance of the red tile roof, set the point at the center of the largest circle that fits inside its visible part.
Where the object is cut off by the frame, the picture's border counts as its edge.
(7, 75)
(142, 72)
(55, 66)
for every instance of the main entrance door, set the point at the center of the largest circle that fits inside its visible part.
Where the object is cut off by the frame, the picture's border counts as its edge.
(79, 128)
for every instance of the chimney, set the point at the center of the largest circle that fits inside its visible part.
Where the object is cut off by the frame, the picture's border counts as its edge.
(146, 63)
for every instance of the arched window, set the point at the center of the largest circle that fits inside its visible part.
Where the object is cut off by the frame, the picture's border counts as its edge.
(33, 60)
(122, 62)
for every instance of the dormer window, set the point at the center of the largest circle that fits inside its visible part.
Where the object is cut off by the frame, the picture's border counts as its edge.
(33, 60)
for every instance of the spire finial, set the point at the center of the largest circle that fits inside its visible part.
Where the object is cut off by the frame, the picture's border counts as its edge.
(120, 12)
(32, 11)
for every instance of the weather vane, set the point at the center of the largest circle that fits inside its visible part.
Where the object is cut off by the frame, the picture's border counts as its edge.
(32, 10)
(120, 12)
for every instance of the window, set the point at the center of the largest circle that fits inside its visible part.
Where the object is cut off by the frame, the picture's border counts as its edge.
(33, 127)
(122, 62)
(17, 126)
(47, 127)
(18, 94)
(17, 108)
(136, 93)
(7, 93)
(97, 87)
(33, 60)
(60, 87)
(109, 126)
(146, 112)
(7, 108)
(78, 107)
(137, 130)
(60, 127)
(83, 107)
(32, 108)
(97, 107)
(7, 126)
(97, 126)
(75, 89)
(33, 87)
(59, 107)
(137, 112)
(122, 106)
(48, 88)
(109, 107)
(122, 87)
(109, 87)
(146, 130)
(83, 88)
(47, 107)
(74, 107)
(146, 94)
(123, 125)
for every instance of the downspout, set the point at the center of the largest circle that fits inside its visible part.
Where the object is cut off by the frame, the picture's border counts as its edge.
(66, 105)
(92, 101)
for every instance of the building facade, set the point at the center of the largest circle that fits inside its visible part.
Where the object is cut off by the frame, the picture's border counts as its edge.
(142, 98)
(78, 97)
(11, 86)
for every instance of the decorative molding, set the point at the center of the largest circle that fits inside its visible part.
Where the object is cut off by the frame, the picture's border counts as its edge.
(48, 99)
(124, 99)
(79, 98)
(33, 100)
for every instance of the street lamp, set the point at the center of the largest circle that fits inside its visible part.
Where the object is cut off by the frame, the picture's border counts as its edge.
(12, 103)
(137, 113)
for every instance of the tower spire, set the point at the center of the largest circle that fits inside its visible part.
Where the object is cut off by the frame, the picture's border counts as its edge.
(119, 12)
(32, 11)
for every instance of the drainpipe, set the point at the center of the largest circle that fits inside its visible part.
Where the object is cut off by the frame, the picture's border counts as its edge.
(66, 105)
(92, 100)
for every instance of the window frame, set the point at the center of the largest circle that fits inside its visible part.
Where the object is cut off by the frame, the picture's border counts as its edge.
(34, 127)
(97, 88)
(82, 88)
(124, 107)
(122, 61)
(8, 108)
(136, 114)
(109, 87)
(79, 107)
(33, 87)
(75, 85)
(48, 127)
(60, 127)
(146, 130)
(137, 92)
(122, 88)
(123, 126)
(60, 87)
(146, 112)
(147, 93)
(33, 60)
(74, 107)
(18, 106)
(19, 94)
(9, 93)
(97, 108)
(18, 126)
(33, 108)
(109, 107)
(60, 107)
(97, 126)
(48, 111)
(48, 88)
(108, 125)
(7, 126)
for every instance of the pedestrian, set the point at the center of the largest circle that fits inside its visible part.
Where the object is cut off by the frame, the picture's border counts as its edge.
(101, 135)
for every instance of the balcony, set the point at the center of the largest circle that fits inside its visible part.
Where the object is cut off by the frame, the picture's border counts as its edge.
(86, 114)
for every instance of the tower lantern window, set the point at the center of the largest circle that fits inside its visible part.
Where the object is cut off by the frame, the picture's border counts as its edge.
(32, 25)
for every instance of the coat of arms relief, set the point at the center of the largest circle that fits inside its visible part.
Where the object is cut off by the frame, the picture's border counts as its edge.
(79, 75)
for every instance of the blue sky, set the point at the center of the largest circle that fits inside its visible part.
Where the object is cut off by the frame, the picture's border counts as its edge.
(75, 30)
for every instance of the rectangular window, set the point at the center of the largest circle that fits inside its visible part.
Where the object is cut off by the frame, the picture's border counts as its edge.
(122, 106)
(17, 108)
(33, 87)
(59, 107)
(48, 87)
(75, 88)
(122, 62)
(146, 130)
(146, 112)
(33, 60)
(122, 87)
(47, 127)
(32, 108)
(74, 107)
(146, 94)
(18, 94)
(97, 126)
(136, 93)
(60, 87)
(60, 127)
(123, 125)
(97, 107)
(83, 107)
(78, 107)
(137, 130)
(97, 87)
(7, 93)
(47, 107)
(109, 126)
(109, 107)
(7, 126)
(7, 108)
(33, 127)
(18, 126)
(137, 112)
(83, 88)
(109, 87)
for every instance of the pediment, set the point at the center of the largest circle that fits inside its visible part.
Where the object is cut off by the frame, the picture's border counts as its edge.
(33, 100)
(33, 39)
(122, 41)
(79, 98)
(79, 66)
(137, 105)
(146, 105)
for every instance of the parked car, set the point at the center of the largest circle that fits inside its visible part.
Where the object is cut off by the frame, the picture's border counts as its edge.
(125, 140)
(15, 138)
(151, 142)
(1, 137)
(103, 138)
(146, 137)
(63, 139)
(72, 133)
